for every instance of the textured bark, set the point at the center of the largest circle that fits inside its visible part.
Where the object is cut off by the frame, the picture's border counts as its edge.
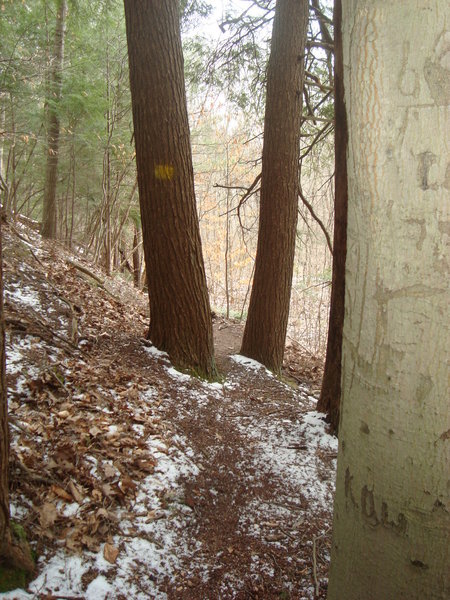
(13, 552)
(265, 329)
(49, 209)
(392, 510)
(179, 307)
(4, 432)
(330, 394)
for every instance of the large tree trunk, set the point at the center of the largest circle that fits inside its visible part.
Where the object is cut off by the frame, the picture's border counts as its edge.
(265, 330)
(330, 394)
(392, 509)
(49, 210)
(179, 307)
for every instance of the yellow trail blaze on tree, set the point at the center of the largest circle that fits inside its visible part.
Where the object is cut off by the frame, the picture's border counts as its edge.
(164, 172)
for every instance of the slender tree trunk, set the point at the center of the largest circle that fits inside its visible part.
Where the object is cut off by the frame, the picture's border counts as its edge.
(14, 553)
(180, 314)
(3, 184)
(227, 233)
(330, 394)
(49, 210)
(4, 430)
(136, 259)
(392, 509)
(107, 172)
(265, 330)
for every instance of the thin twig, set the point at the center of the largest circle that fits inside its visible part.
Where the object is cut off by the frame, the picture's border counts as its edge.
(316, 581)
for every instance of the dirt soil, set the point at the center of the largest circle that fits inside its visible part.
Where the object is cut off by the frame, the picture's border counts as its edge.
(253, 513)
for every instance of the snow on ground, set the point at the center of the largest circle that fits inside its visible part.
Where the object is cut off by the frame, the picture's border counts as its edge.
(153, 542)
(153, 545)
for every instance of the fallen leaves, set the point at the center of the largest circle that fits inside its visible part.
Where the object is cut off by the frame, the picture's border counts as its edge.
(110, 553)
(47, 515)
(86, 430)
(58, 491)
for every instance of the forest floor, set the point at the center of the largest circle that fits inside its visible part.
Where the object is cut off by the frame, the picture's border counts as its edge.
(133, 480)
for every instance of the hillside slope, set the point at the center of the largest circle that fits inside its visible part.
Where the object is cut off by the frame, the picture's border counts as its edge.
(133, 480)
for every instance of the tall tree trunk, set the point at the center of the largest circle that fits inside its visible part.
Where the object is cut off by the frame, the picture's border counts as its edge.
(265, 330)
(106, 183)
(180, 314)
(14, 553)
(330, 394)
(392, 510)
(49, 210)
(4, 430)
(227, 232)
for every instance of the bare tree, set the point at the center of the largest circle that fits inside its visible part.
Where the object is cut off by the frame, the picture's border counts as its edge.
(330, 394)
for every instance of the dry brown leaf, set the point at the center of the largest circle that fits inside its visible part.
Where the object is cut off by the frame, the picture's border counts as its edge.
(58, 491)
(275, 537)
(90, 543)
(47, 515)
(75, 490)
(109, 471)
(110, 553)
(97, 495)
(107, 490)
(73, 536)
(148, 466)
(126, 484)
(94, 431)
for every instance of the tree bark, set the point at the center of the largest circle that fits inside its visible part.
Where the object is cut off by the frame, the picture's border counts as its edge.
(265, 329)
(392, 508)
(14, 553)
(4, 430)
(179, 307)
(330, 395)
(49, 209)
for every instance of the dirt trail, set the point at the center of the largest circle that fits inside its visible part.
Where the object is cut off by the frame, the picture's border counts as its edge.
(102, 421)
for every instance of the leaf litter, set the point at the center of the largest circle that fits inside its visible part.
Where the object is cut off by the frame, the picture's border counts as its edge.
(133, 480)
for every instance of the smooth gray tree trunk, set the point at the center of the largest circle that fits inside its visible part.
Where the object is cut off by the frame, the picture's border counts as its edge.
(391, 523)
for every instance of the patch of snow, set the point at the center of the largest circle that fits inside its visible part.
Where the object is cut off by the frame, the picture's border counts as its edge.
(313, 427)
(287, 450)
(69, 510)
(23, 295)
(177, 374)
(250, 363)
(14, 353)
(153, 351)
(212, 386)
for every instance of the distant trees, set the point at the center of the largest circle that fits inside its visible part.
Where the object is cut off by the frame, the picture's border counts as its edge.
(392, 514)
(265, 330)
(180, 317)
(49, 208)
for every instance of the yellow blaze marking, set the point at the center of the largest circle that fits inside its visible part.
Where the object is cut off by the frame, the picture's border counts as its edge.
(164, 172)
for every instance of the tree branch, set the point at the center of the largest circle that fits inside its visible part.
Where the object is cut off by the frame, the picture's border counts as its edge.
(317, 219)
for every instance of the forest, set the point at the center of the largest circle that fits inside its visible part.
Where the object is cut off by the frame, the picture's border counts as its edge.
(224, 300)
